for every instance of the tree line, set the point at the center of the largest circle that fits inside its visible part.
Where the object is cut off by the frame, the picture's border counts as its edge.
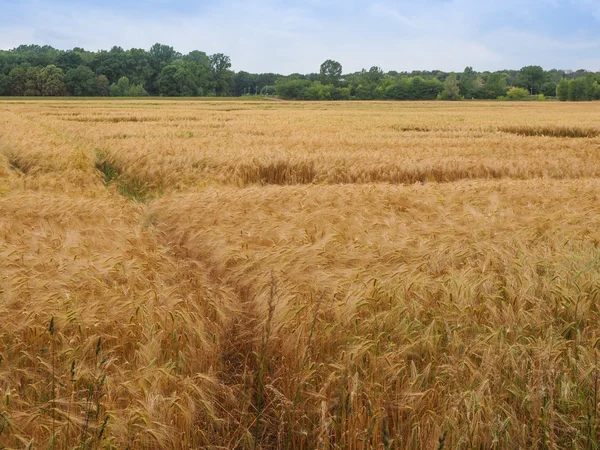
(33, 70)
(531, 82)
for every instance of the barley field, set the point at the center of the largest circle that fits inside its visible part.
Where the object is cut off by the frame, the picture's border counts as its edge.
(236, 274)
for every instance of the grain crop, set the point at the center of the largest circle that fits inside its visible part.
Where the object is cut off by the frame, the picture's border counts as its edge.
(287, 275)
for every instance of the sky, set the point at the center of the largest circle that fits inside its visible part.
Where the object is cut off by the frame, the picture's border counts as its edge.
(296, 36)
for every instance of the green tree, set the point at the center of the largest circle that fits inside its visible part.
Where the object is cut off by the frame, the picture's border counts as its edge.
(8, 61)
(81, 81)
(422, 89)
(517, 94)
(35, 55)
(4, 84)
(266, 79)
(166, 81)
(291, 88)
(451, 89)
(112, 64)
(120, 88)
(137, 90)
(330, 73)
(33, 84)
(373, 76)
(549, 89)
(365, 91)
(68, 60)
(222, 76)
(179, 79)
(244, 83)
(137, 67)
(494, 87)
(102, 87)
(160, 55)
(466, 83)
(532, 78)
(53, 81)
(187, 78)
(397, 89)
(580, 90)
(562, 90)
(199, 58)
(595, 90)
(203, 73)
(17, 79)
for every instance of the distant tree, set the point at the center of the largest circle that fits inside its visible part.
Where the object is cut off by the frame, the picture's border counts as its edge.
(137, 90)
(4, 84)
(555, 76)
(36, 56)
(494, 87)
(187, 78)
(202, 72)
(422, 89)
(160, 55)
(244, 83)
(291, 88)
(330, 73)
(365, 91)
(222, 76)
(199, 58)
(120, 88)
(53, 81)
(112, 64)
(549, 89)
(451, 89)
(33, 84)
(17, 79)
(81, 81)
(580, 90)
(466, 83)
(8, 61)
(266, 79)
(102, 87)
(397, 90)
(562, 90)
(517, 94)
(137, 67)
(167, 85)
(532, 78)
(595, 90)
(317, 91)
(374, 75)
(68, 60)
(180, 79)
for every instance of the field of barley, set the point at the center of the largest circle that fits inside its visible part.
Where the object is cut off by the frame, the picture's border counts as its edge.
(180, 274)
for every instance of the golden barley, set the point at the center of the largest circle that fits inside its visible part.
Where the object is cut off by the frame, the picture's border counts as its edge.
(287, 275)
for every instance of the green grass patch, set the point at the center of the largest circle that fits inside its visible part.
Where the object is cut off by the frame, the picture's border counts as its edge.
(128, 186)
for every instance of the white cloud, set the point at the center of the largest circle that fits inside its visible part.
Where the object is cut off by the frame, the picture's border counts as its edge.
(383, 12)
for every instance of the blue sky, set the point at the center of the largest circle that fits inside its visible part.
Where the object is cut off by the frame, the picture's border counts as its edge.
(296, 36)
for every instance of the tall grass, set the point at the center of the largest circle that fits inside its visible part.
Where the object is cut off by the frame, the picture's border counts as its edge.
(446, 316)
(192, 145)
(232, 275)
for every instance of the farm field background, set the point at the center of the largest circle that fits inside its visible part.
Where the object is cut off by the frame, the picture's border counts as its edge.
(298, 275)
